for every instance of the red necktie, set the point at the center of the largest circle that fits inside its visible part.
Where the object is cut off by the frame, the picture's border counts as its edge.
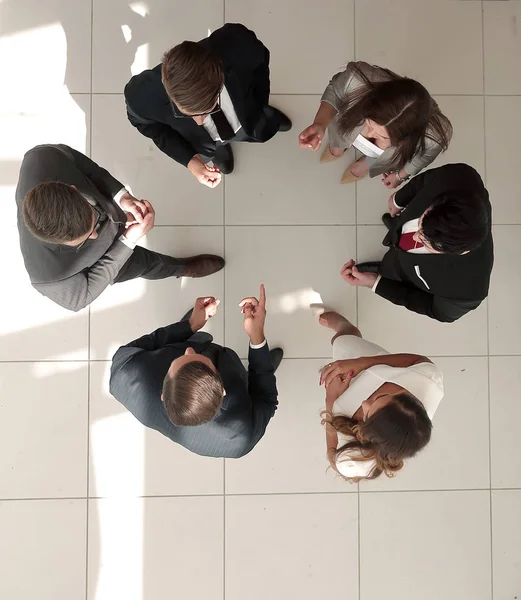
(408, 243)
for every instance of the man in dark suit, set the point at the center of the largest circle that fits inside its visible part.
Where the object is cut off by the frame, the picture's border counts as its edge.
(195, 392)
(204, 95)
(79, 228)
(441, 250)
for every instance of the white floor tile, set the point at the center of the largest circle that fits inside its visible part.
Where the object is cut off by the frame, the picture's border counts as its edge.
(131, 37)
(505, 412)
(506, 543)
(467, 146)
(502, 158)
(298, 265)
(292, 542)
(42, 549)
(143, 549)
(502, 22)
(175, 194)
(278, 183)
(424, 41)
(130, 309)
(505, 288)
(42, 430)
(427, 545)
(438, 466)
(309, 42)
(53, 38)
(400, 330)
(292, 455)
(143, 462)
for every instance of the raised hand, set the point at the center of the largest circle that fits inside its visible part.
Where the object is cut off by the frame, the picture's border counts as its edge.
(204, 308)
(208, 176)
(254, 312)
(312, 137)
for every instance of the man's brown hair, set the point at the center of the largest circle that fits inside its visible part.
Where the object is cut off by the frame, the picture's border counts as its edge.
(193, 77)
(56, 212)
(193, 395)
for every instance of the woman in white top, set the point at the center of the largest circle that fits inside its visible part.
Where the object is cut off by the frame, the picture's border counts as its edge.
(392, 120)
(379, 406)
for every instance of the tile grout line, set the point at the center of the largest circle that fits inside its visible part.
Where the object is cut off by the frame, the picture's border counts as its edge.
(357, 300)
(89, 322)
(345, 492)
(488, 313)
(318, 94)
(224, 343)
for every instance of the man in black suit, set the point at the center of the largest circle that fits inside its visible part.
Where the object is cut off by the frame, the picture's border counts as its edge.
(441, 250)
(198, 393)
(204, 95)
(79, 229)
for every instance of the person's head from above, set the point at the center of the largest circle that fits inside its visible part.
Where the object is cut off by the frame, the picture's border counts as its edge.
(394, 427)
(193, 390)
(193, 78)
(455, 223)
(58, 213)
(398, 112)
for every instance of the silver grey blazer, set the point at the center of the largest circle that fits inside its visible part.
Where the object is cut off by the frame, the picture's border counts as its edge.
(335, 94)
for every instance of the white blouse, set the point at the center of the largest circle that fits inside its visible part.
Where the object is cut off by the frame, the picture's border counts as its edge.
(423, 380)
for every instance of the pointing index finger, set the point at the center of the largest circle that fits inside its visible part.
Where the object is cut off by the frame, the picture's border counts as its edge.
(262, 297)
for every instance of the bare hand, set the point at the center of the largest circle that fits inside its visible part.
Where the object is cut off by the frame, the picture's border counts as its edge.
(390, 180)
(353, 276)
(204, 308)
(335, 389)
(209, 176)
(254, 312)
(346, 369)
(312, 137)
(136, 208)
(134, 232)
(393, 211)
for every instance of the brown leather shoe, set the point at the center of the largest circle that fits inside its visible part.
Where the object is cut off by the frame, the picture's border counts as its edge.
(202, 265)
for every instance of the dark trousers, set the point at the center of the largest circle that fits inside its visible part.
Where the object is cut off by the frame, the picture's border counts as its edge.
(150, 265)
(241, 136)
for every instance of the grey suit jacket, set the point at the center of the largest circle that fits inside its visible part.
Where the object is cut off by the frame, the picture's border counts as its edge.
(136, 380)
(340, 86)
(72, 279)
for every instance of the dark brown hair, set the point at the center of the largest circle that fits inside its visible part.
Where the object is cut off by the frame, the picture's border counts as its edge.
(193, 395)
(56, 212)
(192, 76)
(393, 433)
(401, 105)
(456, 222)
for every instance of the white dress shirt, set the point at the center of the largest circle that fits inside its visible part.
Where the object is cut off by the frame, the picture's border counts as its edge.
(229, 112)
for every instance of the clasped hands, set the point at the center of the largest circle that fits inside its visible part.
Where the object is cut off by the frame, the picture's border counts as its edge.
(140, 216)
(254, 312)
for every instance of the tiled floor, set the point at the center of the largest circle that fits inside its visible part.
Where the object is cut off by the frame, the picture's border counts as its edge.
(94, 507)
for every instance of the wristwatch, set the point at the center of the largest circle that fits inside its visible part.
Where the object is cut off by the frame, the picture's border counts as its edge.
(401, 179)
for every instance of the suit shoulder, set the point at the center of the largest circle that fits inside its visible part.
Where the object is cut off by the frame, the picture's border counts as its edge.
(144, 89)
(42, 163)
(461, 171)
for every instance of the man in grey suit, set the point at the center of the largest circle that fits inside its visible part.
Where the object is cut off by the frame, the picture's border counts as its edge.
(195, 392)
(79, 228)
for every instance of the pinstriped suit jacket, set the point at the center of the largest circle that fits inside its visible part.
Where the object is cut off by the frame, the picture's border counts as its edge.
(136, 380)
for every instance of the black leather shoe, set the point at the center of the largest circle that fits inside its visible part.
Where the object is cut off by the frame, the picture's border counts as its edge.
(276, 357)
(387, 220)
(202, 265)
(285, 123)
(369, 267)
(224, 159)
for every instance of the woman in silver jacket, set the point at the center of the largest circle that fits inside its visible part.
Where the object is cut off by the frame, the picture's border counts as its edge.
(392, 120)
